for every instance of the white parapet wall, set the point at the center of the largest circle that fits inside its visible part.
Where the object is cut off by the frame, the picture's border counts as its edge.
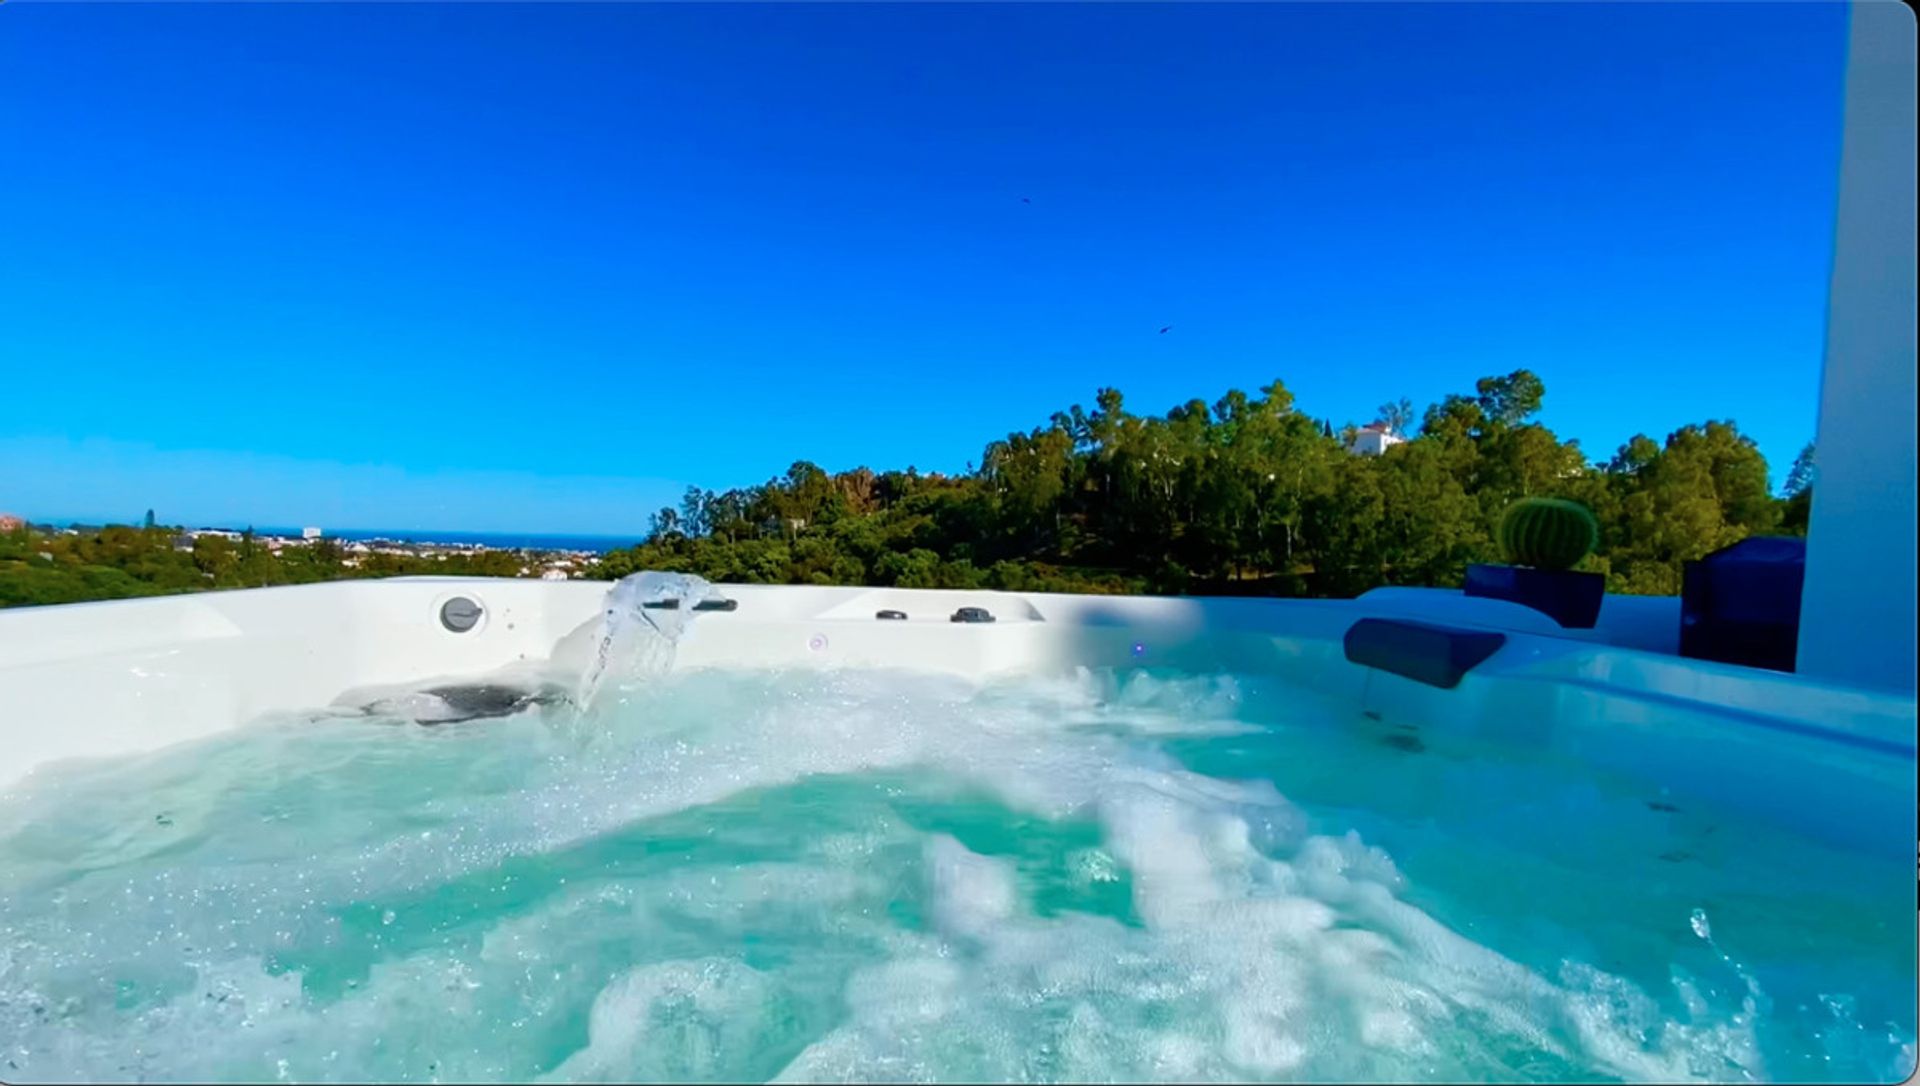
(1857, 616)
(125, 677)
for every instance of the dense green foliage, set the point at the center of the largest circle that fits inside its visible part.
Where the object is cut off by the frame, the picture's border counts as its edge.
(1548, 533)
(1799, 488)
(1248, 495)
(120, 561)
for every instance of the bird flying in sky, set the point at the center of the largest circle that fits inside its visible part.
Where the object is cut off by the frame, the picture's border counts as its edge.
(1167, 329)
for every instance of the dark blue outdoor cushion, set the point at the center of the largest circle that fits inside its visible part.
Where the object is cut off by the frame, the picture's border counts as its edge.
(1741, 604)
(1421, 651)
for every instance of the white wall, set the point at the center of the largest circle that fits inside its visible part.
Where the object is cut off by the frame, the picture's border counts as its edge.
(1857, 609)
(1372, 443)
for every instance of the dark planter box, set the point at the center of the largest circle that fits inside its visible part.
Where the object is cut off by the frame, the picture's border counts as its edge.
(1741, 604)
(1569, 598)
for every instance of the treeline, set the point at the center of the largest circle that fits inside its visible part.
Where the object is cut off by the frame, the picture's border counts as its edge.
(119, 561)
(1248, 495)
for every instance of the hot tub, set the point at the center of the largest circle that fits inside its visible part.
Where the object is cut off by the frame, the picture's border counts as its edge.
(455, 829)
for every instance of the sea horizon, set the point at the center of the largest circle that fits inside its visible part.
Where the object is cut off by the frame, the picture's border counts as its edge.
(549, 541)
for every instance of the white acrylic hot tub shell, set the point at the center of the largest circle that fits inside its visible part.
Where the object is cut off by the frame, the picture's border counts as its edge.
(129, 676)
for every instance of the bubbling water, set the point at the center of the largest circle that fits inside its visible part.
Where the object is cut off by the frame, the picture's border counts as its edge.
(874, 876)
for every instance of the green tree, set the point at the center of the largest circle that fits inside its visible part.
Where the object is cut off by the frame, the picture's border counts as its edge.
(1800, 476)
(1398, 415)
(1705, 489)
(1796, 509)
(1512, 399)
(325, 553)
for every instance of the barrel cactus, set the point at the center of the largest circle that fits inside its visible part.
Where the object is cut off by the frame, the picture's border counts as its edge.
(1548, 533)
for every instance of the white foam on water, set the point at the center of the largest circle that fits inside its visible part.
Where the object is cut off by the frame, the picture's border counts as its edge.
(971, 893)
(1264, 977)
(1257, 947)
(671, 1020)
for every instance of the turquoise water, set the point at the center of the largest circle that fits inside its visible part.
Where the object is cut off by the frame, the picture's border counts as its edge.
(858, 876)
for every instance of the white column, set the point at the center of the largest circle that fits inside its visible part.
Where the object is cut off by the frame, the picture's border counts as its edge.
(1857, 610)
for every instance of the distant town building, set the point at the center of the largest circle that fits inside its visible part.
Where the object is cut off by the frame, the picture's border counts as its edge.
(11, 523)
(1373, 439)
(309, 533)
(554, 575)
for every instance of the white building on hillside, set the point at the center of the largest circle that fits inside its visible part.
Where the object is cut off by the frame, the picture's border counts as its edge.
(1373, 439)
(309, 533)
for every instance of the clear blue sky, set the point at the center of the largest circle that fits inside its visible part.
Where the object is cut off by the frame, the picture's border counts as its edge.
(538, 267)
